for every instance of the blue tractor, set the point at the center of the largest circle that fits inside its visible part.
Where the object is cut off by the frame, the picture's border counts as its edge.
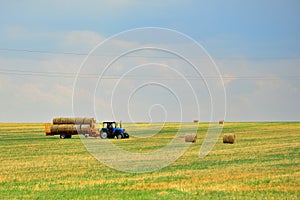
(110, 130)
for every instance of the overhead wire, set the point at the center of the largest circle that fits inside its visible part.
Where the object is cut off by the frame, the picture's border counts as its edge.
(113, 55)
(142, 77)
(17, 72)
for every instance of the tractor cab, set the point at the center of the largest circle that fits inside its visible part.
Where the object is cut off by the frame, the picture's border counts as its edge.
(110, 129)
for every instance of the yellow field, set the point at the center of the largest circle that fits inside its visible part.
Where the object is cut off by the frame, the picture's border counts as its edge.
(264, 163)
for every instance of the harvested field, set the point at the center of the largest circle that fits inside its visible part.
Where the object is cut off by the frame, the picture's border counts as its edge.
(263, 164)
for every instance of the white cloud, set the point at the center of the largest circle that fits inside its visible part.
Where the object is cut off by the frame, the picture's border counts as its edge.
(253, 95)
(57, 96)
(41, 97)
(38, 96)
(81, 41)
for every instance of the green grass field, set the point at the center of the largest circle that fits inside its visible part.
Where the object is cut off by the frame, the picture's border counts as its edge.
(264, 163)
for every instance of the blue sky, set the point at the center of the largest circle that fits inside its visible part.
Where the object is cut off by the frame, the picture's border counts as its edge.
(270, 27)
(246, 38)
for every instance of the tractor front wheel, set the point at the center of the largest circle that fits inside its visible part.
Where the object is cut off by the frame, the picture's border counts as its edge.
(126, 135)
(119, 136)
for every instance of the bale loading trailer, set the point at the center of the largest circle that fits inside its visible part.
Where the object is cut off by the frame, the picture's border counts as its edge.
(65, 127)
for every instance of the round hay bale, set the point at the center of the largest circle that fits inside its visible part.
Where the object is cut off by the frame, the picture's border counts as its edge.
(72, 120)
(63, 120)
(70, 128)
(67, 128)
(221, 122)
(75, 129)
(88, 121)
(85, 129)
(57, 120)
(67, 120)
(63, 128)
(191, 138)
(79, 120)
(54, 129)
(77, 126)
(229, 138)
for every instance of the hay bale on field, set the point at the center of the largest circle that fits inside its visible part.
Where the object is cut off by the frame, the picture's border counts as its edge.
(229, 138)
(196, 121)
(221, 122)
(191, 138)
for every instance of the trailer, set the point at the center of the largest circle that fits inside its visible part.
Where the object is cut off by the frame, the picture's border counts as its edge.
(65, 127)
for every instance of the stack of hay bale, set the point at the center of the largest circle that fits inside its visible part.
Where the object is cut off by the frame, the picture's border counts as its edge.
(72, 126)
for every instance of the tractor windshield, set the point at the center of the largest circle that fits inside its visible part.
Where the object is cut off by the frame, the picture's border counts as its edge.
(109, 124)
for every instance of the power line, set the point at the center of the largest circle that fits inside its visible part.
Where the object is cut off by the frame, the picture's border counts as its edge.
(133, 56)
(42, 51)
(82, 54)
(142, 77)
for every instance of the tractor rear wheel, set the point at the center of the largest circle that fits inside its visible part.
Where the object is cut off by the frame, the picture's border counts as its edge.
(103, 134)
